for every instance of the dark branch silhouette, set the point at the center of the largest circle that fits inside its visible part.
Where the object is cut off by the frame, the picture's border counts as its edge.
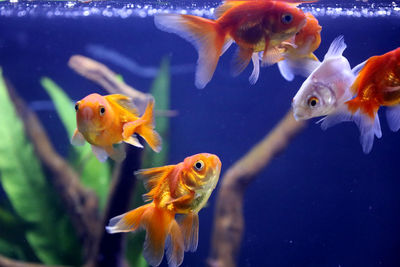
(228, 218)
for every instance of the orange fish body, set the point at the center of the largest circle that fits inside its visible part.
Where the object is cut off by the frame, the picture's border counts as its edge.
(254, 25)
(299, 58)
(377, 84)
(174, 189)
(104, 121)
(307, 40)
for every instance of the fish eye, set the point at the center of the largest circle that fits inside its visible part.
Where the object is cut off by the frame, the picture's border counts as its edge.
(199, 165)
(287, 18)
(76, 106)
(102, 110)
(312, 101)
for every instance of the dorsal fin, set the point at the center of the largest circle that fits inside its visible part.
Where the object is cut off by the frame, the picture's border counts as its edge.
(336, 48)
(219, 11)
(122, 102)
(152, 177)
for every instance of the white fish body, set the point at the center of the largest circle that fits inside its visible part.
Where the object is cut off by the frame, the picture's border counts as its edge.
(327, 87)
(325, 92)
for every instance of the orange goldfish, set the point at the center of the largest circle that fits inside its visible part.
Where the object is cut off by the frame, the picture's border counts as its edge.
(299, 58)
(376, 85)
(107, 120)
(255, 26)
(181, 189)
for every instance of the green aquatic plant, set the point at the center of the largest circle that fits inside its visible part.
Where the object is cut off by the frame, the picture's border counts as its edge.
(94, 174)
(35, 206)
(160, 90)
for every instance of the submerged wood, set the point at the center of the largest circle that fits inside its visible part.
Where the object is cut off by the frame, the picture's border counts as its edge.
(81, 204)
(110, 247)
(228, 219)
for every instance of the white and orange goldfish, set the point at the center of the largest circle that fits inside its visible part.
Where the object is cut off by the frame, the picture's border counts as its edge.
(181, 189)
(104, 121)
(254, 25)
(377, 84)
(327, 92)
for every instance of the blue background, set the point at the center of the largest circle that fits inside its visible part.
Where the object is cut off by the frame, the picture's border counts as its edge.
(322, 202)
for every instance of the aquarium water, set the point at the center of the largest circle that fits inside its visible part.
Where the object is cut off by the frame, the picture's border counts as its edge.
(320, 202)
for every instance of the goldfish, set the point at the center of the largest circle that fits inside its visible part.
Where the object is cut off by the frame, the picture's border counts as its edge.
(254, 25)
(340, 93)
(179, 190)
(104, 121)
(377, 84)
(327, 87)
(299, 58)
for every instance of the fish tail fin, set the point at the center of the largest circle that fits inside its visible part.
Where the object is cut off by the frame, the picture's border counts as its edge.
(364, 115)
(205, 34)
(145, 128)
(189, 224)
(301, 66)
(159, 224)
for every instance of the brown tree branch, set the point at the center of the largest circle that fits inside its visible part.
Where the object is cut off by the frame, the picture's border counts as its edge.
(6, 262)
(228, 220)
(81, 204)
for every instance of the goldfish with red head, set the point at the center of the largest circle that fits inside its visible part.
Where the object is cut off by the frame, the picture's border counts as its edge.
(255, 26)
(104, 121)
(377, 84)
(183, 190)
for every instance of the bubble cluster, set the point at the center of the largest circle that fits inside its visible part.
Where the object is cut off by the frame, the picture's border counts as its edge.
(115, 9)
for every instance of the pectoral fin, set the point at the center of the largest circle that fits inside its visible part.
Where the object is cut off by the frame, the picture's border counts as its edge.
(77, 139)
(241, 60)
(100, 153)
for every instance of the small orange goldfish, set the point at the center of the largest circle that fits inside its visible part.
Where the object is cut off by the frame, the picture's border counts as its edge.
(299, 58)
(175, 189)
(107, 120)
(255, 26)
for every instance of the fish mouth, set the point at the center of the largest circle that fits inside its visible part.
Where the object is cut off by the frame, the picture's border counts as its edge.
(300, 115)
(87, 114)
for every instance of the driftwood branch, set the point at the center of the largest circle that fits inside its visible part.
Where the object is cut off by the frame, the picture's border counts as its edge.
(111, 246)
(228, 219)
(6, 262)
(81, 204)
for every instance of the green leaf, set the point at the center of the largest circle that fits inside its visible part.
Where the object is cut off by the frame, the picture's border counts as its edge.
(12, 232)
(94, 174)
(29, 193)
(161, 91)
